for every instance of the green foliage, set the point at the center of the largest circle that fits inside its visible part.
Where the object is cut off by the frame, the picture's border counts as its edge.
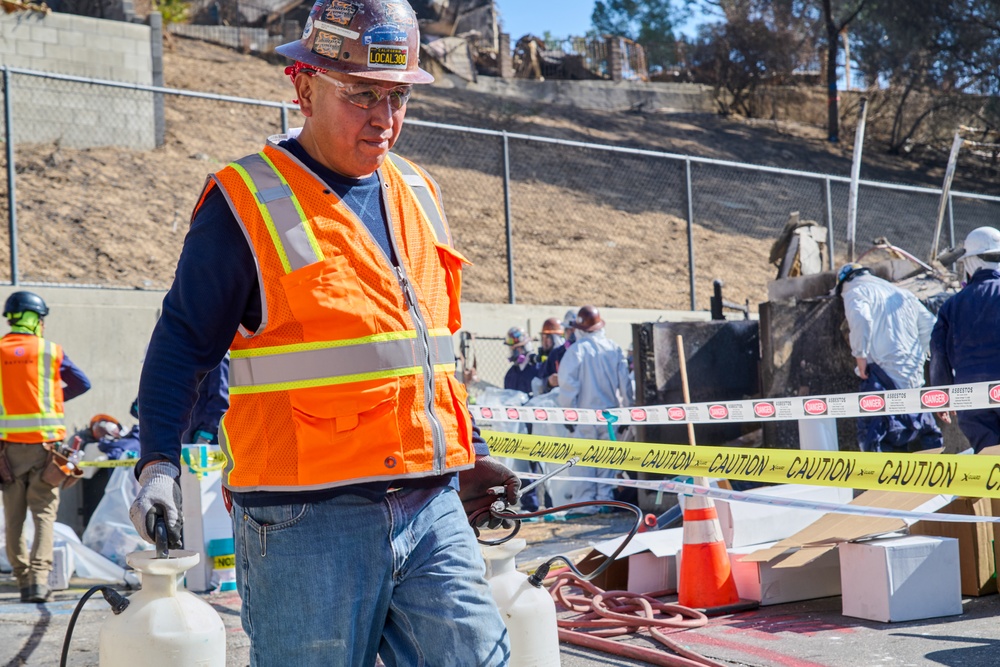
(173, 11)
(648, 22)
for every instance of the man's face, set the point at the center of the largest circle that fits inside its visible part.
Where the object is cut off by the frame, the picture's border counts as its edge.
(340, 135)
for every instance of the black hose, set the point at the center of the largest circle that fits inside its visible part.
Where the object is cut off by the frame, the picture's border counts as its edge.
(118, 604)
(542, 571)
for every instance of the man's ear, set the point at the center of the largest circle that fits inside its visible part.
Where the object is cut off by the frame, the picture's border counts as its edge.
(305, 91)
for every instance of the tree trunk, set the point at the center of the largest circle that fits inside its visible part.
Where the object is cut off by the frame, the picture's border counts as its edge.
(833, 111)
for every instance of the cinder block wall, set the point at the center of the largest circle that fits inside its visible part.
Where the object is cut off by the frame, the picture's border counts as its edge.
(78, 114)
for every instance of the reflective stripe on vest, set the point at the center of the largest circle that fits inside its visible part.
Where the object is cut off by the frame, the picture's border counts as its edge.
(304, 365)
(425, 198)
(290, 231)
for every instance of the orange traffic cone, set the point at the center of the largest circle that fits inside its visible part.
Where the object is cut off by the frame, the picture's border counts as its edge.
(706, 576)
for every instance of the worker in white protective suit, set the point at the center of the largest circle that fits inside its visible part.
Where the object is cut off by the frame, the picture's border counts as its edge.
(593, 374)
(890, 332)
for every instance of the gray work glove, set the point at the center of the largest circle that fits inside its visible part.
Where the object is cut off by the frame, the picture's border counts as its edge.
(474, 490)
(160, 495)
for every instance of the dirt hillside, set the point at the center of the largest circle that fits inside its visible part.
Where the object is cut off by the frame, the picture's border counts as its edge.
(608, 230)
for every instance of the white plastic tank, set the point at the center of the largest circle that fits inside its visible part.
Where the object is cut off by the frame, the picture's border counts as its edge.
(528, 612)
(164, 625)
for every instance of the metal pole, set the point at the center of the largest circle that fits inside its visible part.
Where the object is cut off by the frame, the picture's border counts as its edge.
(8, 114)
(828, 200)
(284, 118)
(852, 199)
(690, 224)
(951, 222)
(949, 174)
(507, 217)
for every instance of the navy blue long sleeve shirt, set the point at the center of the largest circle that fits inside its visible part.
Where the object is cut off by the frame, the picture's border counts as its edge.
(215, 290)
(74, 380)
(965, 342)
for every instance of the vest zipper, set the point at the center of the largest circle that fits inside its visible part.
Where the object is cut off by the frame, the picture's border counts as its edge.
(410, 297)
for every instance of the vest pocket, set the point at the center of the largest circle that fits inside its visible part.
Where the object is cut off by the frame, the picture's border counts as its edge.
(326, 298)
(452, 262)
(460, 398)
(347, 432)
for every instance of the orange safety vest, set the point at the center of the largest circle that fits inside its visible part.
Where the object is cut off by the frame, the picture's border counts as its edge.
(31, 392)
(350, 375)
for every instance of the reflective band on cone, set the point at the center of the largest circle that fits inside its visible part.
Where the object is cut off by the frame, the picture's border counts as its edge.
(706, 576)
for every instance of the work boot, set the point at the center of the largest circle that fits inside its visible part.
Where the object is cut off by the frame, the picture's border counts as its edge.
(38, 593)
(25, 592)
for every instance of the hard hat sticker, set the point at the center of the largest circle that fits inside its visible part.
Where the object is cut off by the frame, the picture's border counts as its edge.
(337, 30)
(308, 29)
(385, 34)
(397, 12)
(327, 44)
(340, 13)
(382, 56)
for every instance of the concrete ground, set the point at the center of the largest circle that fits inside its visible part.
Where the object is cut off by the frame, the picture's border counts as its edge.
(808, 634)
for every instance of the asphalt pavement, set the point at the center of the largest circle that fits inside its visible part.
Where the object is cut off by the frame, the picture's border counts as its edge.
(806, 634)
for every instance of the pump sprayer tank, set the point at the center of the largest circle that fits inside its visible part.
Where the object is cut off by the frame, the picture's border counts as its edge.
(164, 625)
(528, 611)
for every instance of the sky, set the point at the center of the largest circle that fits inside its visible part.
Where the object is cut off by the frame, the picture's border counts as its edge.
(562, 18)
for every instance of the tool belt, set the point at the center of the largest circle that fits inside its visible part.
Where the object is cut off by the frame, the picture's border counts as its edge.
(54, 473)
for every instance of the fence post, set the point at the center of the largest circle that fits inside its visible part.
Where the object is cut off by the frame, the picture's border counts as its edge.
(951, 223)
(690, 224)
(156, 56)
(828, 205)
(507, 216)
(8, 116)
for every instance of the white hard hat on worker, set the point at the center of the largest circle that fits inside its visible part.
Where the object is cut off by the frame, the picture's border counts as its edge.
(982, 251)
(354, 67)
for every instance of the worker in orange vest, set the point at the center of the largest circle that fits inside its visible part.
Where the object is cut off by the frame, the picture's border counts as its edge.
(325, 265)
(32, 374)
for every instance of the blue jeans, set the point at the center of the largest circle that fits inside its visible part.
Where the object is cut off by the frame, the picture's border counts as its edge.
(339, 581)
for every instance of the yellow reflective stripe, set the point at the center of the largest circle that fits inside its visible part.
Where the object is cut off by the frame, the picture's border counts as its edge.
(327, 344)
(338, 380)
(268, 222)
(307, 228)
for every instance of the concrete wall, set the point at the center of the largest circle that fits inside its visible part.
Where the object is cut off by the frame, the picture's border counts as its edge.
(79, 115)
(105, 333)
(601, 95)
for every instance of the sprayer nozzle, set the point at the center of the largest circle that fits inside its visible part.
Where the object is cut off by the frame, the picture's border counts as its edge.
(117, 601)
(538, 576)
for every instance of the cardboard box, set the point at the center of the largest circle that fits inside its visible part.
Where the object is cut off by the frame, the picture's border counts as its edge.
(767, 583)
(650, 558)
(744, 524)
(901, 578)
(975, 543)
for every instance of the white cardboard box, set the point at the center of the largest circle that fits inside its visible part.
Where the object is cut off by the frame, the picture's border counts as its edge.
(744, 523)
(652, 559)
(769, 584)
(901, 578)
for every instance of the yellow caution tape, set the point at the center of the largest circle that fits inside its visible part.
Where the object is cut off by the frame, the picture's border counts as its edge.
(217, 458)
(964, 475)
(119, 463)
(226, 562)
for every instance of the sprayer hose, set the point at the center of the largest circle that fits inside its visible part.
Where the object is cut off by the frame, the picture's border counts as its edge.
(604, 614)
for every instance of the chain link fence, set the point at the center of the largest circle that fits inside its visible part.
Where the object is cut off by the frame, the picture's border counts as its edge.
(544, 221)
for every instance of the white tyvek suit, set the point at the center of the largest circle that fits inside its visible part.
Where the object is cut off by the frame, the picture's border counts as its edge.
(594, 374)
(889, 327)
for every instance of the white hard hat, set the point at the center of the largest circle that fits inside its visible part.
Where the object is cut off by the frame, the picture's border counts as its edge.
(982, 241)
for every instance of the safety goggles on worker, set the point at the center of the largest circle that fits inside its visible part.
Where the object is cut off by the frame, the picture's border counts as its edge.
(368, 95)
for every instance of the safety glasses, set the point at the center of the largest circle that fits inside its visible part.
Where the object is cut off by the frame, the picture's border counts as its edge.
(367, 95)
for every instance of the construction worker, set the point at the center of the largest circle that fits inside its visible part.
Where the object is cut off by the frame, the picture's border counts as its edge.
(31, 425)
(550, 369)
(552, 344)
(966, 338)
(890, 334)
(523, 361)
(594, 374)
(335, 287)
